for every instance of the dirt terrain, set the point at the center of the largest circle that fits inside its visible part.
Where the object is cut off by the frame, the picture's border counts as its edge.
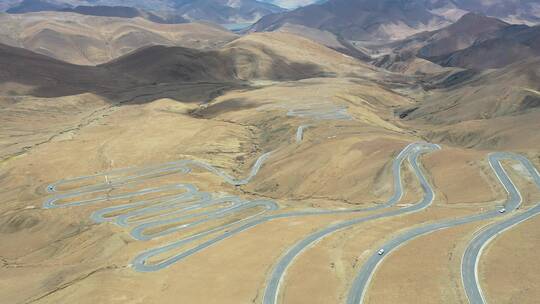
(333, 126)
(499, 268)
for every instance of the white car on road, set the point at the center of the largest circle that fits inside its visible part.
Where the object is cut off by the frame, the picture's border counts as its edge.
(380, 252)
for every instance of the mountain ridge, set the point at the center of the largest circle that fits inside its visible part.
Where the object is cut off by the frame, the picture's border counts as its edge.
(217, 11)
(92, 40)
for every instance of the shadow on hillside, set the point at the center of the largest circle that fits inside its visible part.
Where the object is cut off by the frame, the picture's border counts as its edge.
(267, 65)
(230, 105)
(156, 72)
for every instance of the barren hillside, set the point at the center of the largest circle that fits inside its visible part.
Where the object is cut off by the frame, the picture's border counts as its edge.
(92, 40)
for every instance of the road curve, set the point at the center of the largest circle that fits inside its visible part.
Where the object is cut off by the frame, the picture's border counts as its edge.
(469, 270)
(471, 257)
(134, 175)
(362, 280)
(189, 207)
(141, 262)
(185, 208)
(412, 152)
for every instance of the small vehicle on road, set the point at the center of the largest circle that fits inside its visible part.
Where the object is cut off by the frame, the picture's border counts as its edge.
(380, 252)
(503, 210)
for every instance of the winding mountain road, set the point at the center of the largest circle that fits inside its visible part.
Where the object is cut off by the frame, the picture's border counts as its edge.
(412, 152)
(189, 207)
(471, 257)
(184, 207)
(140, 263)
(182, 166)
(362, 280)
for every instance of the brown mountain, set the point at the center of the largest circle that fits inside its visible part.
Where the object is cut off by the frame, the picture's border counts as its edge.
(474, 41)
(226, 11)
(515, 11)
(418, 50)
(493, 109)
(167, 64)
(163, 11)
(91, 40)
(457, 36)
(504, 47)
(359, 19)
(123, 12)
(502, 92)
(44, 76)
(261, 56)
(27, 6)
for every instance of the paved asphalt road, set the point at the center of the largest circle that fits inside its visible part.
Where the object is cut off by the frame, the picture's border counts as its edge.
(187, 208)
(361, 282)
(141, 262)
(183, 210)
(412, 152)
(469, 263)
(193, 207)
(121, 177)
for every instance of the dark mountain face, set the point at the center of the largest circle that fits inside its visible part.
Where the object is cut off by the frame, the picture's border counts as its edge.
(106, 11)
(474, 42)
(498, 50)
(27, 6)
(459, 35)
(395, 19)
(149, 66)
(516, 10)
(162, 11)
(499, 8)
(124, 12)
(51, 77)
(225, 11)
(485, 43)
(173, 64)
(359, 19)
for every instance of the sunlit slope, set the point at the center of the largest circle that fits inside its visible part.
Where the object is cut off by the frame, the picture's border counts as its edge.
(91, 40)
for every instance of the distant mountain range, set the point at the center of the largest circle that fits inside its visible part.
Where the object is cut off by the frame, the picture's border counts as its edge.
(91, 40)
(162, 11)
(512, 11)
(226, 11)
(473, 42)
(372, 20)
(123, 12)
(359, 19)
(348, 19)
(27, 6)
